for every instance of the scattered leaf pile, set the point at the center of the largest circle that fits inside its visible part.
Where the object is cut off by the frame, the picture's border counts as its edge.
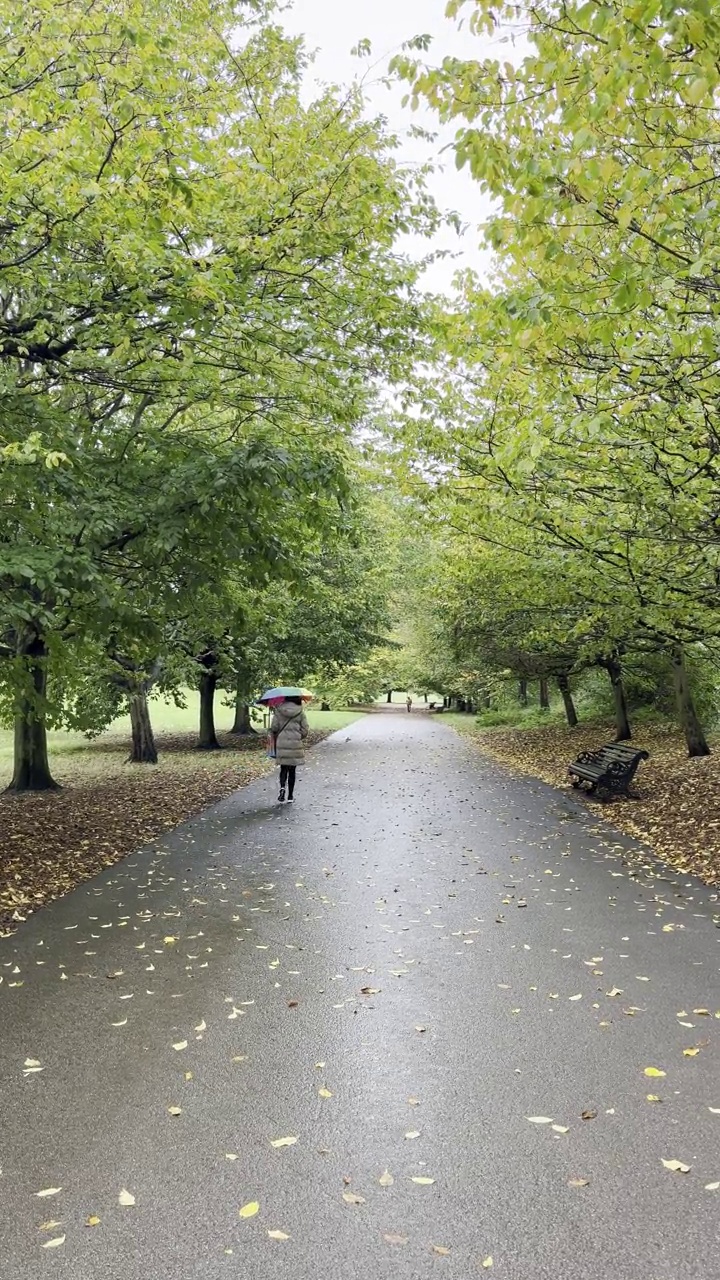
(678, 814)
(53, 841)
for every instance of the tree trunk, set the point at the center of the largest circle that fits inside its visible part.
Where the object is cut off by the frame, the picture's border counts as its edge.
(623, 732)
(523, 693)
(31, 771)
(242, 724)
(694, 735)
(544, 694)
(208, 738)
(143, 750)
(389, 695)
(570, 712)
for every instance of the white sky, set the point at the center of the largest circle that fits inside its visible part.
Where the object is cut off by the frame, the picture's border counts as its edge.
(332, 27)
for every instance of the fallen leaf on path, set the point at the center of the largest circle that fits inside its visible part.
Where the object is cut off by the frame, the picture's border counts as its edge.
(413, 1102)
(370, 991)
(588, 1115)
(393, 1239)
(653, 1097)
(126, 1199)
(324, 1093)
(676, 1166)
(702, 1013)
(654, 1071)
(690, 1053)
(539, 1119)
(202, 1026)
(53, 1244)
(229, 1155)
(49, 1191)
(577, 997)
(423, 1182)
(119, 1024)
(283, 1142)
(487, 1262)
(351, 1198)
(560, 1128)
(578, 1182)
(712, 1186)
(415, 1133)
(48, 1226)
(249, 1210)
(616, 991)
(715, 1110)
(278, 1235)
(440, 1248)
(93, 1221)
(174, 1111)
(386, 1179)
(181, 1044)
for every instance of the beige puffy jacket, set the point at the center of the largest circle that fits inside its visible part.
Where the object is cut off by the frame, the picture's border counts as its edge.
(290, 727)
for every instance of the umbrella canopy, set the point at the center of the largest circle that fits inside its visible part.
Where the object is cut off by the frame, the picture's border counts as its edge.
(273, 697)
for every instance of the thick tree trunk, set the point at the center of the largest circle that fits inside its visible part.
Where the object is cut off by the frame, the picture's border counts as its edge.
(31, 770)
(208, 738)
(564, 687)
(143, 750)
(389, 695)
(523, 693)
(694, 734)
(623, 732)
(544, 694)
(242, 724)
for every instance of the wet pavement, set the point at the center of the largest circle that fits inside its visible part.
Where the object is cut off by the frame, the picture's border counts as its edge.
(424, 973)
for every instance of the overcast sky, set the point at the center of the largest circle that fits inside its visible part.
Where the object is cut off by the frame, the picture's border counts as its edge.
(332, 27)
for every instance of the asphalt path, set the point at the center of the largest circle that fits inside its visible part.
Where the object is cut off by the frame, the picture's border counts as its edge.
(403, 973)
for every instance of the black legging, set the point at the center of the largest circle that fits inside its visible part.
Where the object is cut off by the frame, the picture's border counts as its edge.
(287, 777)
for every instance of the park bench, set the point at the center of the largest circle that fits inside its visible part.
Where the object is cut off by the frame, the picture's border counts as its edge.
(611, 768)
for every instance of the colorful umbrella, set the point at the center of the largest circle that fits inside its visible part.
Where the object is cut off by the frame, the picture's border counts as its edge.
(273, 697)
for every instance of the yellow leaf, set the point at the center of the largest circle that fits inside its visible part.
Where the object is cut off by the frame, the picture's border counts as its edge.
(181, 1044)
(690, 1053)
(653, 1097)
(676, 1166)
(49, 1191)
(48, 1226)
(712, 1186)
(653, 1071)
(386, 1179)
(278, 1235)
(351, 1198)
(174, 1111)
(126, 1199)
(539, 1119)
(92, 1221)
(579, 1182)
(283, 1142)
(578, 997)
(560, 1128)
(324, 1093)
(169, 940)
(423, 1182)
(439, 1248)
(53, 1244)
(249, 1210)
(487, 1262)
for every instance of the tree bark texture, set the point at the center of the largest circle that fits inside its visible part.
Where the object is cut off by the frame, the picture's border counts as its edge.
(697, 743)
(544, 694)
(143, 750)
(242, 724)
(570, 712)
(208, 737)
(31, 769)
(623, 732)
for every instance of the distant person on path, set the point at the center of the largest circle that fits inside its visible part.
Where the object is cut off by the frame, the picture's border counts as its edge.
(290, 729)
(408, 702)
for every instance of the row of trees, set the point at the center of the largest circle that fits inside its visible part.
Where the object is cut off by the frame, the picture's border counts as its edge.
(199, 291)
(570, 418)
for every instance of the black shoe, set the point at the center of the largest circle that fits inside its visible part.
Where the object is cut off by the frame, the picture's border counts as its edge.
(281, 797)
(291, 799)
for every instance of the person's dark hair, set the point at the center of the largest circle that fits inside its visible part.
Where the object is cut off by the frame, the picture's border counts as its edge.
(297, 701)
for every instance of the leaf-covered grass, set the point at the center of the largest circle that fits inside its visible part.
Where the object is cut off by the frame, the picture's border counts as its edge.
(678, 814)
(51, 842)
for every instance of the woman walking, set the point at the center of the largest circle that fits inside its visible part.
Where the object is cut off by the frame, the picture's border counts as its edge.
(290, 729)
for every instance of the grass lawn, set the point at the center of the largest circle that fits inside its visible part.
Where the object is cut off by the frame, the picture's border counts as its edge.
(678, 814)
(51, 842)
